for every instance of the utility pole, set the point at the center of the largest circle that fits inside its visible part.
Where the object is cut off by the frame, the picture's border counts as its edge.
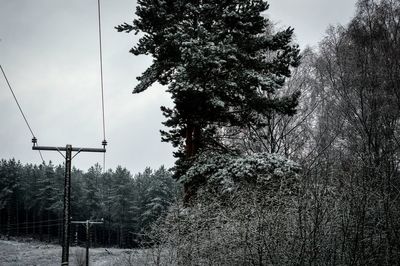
(87, 225)
(67, 188)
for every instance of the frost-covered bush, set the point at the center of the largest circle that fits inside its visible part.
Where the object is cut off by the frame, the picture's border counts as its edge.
(244, 214)
(228, 173)
(251, 230)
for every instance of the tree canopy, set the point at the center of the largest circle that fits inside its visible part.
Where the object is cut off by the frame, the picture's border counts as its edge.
(222, 64)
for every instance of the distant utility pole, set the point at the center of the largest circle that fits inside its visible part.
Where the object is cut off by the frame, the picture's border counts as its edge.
(67, 188)
(87, 225)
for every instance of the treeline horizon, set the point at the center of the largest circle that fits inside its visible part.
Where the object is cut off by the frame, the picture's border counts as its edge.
(31, 202)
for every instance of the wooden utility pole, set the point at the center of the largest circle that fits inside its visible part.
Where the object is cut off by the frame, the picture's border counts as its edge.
(67, 189)
(67, 205)
(87, 225)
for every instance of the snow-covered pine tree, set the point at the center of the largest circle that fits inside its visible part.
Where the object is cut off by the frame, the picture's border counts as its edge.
(121, 203)
(158, 196)
(221, 63)
(91, 191)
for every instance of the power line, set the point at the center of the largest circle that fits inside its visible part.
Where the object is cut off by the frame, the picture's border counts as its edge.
(36, 226)
(35, 222)
(15, 98)
(101, 69)
(20, 109)
(102, 82)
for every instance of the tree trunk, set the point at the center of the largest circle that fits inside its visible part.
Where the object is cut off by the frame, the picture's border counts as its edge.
(8, 221)
(33, 223)
(41, 228)
(109, 233)
(48, 227)
(189, 145)
(192, 146)
(193, 139)
(17, 215)
(26, 220)
(59, 230)
(94, 242)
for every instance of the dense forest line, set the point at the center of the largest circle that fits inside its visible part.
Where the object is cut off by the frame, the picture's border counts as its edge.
(31, 202)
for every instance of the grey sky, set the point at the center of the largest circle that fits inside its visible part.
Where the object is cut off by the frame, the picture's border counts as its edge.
(49, 50)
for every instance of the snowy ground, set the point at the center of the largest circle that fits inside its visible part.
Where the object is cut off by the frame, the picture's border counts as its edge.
(13, 253)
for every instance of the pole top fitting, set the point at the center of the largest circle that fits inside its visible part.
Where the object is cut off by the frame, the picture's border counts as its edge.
(104, 143)
(34, 141)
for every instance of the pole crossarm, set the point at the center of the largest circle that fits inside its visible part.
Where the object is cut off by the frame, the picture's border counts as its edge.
(86, 222)
(48, 148)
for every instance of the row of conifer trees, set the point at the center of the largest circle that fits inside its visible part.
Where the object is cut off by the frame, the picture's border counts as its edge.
(31, 202)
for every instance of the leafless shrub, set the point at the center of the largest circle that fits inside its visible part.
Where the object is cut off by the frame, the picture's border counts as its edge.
(80, 256)
(133, 258)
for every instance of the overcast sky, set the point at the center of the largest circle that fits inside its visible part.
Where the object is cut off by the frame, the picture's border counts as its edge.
(49, 50)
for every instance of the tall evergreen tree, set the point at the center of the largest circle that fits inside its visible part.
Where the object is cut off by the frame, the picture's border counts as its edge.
(10, 177)
(91, 191)
(154, 193)
(221, 62)
(142, 182)
(122, 198)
